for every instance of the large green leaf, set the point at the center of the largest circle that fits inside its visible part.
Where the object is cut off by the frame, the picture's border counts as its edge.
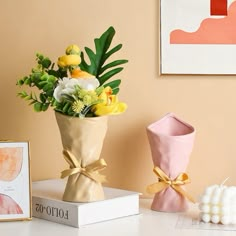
(97, 65)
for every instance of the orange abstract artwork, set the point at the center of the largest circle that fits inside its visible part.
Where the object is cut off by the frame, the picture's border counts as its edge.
(10, 162)
(211, 31)
(9, 206)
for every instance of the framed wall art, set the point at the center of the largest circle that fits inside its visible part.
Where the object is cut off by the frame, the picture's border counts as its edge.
(15, 184)
(198, 37)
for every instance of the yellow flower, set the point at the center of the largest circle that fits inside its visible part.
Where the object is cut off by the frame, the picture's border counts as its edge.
(69, 60)
(72, 49)
(109, 105)
(77, 106)
(77, 73)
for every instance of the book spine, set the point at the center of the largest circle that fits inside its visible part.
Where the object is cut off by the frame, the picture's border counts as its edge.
(55, 211)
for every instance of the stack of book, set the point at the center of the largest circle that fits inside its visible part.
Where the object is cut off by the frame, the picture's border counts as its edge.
(47, 204)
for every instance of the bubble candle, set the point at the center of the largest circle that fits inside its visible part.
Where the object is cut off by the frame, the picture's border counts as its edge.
(218, 205)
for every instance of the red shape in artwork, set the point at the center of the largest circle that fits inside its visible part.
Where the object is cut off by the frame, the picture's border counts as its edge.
(218, 7)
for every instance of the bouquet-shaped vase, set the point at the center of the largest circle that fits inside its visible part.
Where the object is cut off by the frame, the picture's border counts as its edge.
(82, 141)
(171, 142)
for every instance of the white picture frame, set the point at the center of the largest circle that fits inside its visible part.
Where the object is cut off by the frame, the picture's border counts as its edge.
(15, 181)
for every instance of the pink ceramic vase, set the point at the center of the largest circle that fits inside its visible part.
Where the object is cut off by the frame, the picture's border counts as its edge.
(171, 142)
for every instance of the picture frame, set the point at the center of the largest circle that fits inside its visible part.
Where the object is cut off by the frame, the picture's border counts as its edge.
(15, 181)
(197, 37)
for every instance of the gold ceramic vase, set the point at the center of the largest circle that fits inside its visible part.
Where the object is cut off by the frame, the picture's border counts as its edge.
(82, 141)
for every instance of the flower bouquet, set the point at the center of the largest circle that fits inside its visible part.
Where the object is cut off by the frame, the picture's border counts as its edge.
(82, 98)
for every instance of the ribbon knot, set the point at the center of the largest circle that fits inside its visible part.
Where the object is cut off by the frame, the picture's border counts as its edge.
(165, 182)
(90, 171)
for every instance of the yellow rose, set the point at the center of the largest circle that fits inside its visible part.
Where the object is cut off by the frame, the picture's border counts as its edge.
(69, 60)
(73, 49)
(109, 105)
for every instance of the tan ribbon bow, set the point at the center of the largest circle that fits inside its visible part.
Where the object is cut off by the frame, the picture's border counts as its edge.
(91, 170)
(165, 181)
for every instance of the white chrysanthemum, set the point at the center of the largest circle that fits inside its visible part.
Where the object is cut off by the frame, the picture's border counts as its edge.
(67, 86)
(88, 84)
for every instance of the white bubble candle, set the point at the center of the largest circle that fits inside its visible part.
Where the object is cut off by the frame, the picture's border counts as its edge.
(218, 205)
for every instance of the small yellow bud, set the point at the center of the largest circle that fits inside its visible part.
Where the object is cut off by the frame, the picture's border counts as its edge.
(73, 49)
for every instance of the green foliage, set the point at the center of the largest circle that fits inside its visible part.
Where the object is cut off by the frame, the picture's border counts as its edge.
(103, 72)
(39, 104)
(41, 78)
(45, 78)
(65, 107)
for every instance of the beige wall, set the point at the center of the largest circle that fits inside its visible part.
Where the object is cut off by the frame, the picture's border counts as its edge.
(206, 102)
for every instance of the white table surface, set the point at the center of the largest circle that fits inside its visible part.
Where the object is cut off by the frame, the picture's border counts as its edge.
(148, 223)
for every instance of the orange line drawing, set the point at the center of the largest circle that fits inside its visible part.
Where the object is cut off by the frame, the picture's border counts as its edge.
(11, 159)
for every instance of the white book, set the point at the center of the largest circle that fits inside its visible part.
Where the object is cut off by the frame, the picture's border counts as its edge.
(47, 204)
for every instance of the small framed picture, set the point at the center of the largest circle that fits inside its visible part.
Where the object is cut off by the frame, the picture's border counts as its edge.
(15, 182)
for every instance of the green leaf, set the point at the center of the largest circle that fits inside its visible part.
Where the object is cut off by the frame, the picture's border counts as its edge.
(20, 82)
(27, 81)
(99, 90)
(113, 84)
(47, 87)
(43, 97)
(98, 65)
(44, 77)
(39, 56)
(29, 97)
(34, 96)
(112, 51)
(112, 64)
(90, 53)
(83, 65)
(93, 64)
(42, 83)
(109, 74)
(38, 106)
(45, 106)
(52, 79)
(66, 107)
(106, 38)
(36, 76)
(46, 62)
(49, 93)
(32, 102)
(22, 94)
(115, 91)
